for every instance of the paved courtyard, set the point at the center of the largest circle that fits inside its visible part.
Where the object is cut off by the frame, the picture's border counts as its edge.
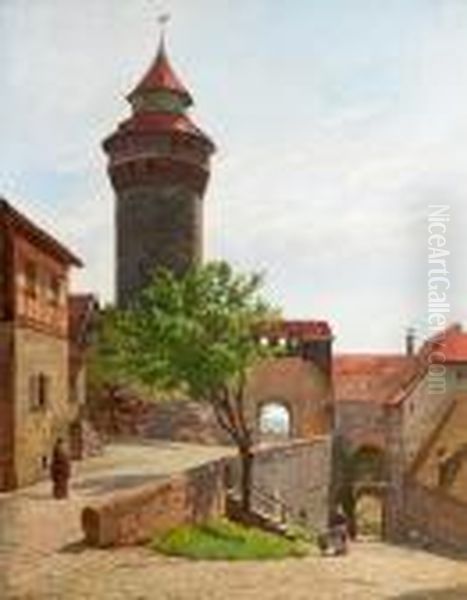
(42, 557)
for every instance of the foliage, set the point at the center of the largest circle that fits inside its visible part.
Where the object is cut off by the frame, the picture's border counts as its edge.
(222, 539)
(194, 332)
(102, 363)
(196, 335)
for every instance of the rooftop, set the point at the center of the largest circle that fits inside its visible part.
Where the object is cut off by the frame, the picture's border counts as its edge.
(11, 217)
(161, 76)
(374, 378)
(299, 329)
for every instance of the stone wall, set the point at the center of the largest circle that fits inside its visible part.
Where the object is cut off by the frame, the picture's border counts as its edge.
(37, 427)
(410, 425)
(293, 382)
(422, 410)
(296, 475)
(361, 424)
(430, 516)
(124, 413)
(157, 226)
(133, 516)
(299, 385)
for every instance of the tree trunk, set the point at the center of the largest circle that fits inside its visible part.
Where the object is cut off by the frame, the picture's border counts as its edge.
(246, 457)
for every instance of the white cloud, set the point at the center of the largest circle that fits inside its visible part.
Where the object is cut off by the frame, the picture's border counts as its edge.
(328, 155)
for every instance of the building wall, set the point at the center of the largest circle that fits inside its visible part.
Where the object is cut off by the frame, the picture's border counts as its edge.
(422, 410)
(361, 423)
(37, 427)
(411, 424)
(297, 384)
(432, 516)
(7, 478)
(447, 441)
(40, 307)
(157, 226)
(297, 474)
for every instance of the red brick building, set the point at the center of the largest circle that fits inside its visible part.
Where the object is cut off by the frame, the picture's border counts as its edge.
(36, 403)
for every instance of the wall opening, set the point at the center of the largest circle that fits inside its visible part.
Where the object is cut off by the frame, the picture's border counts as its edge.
(369, 515)
(274, 421)
(369, 464)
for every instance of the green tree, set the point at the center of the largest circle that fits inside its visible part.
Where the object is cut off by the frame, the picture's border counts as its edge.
(196, 335)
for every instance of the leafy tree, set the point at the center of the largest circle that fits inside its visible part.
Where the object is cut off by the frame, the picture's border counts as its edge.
(196, 335)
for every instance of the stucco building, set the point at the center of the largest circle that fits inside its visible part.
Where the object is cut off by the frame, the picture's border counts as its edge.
(37, 400)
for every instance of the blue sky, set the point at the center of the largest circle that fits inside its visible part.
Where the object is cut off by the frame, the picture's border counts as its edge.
(338, 122)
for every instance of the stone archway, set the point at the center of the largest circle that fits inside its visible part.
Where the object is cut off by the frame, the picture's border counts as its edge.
(274, 420)
(369, 463)
(370, 490)
(370, 511)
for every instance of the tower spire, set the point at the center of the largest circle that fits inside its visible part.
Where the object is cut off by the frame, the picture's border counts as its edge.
(161, 77)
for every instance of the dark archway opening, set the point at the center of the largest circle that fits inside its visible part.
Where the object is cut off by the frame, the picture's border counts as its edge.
(369, 491)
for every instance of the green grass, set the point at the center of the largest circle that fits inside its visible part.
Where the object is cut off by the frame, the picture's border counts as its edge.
(222, 539)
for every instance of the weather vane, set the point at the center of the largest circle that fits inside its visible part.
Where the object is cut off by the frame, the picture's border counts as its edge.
(163, 15)
(163, 19)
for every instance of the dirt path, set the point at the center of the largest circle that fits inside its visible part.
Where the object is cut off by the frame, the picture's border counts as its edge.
(372, 571)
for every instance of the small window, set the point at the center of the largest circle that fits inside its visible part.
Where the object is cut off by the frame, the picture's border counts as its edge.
(54, 290)
(30, 276)
(39, 391)
(43, 391)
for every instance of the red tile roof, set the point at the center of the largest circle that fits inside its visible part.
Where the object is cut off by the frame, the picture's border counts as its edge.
(155, 122)
(388, 379)
(302, 330)
(36, 235)
(449, 346)
(374, 378)
(161, 76)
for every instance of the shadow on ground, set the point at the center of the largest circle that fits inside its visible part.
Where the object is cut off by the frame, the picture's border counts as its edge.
(74, 547)
(453, 593)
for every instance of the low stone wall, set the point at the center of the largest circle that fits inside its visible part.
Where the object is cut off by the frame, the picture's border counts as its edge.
(123, 413)
(295, 475)
(430, 516)
(132, 516)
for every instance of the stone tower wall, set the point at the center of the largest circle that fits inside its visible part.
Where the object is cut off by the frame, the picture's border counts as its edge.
(157, 226)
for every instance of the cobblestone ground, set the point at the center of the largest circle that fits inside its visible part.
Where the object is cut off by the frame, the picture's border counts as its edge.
(38, 534)
(42, 558)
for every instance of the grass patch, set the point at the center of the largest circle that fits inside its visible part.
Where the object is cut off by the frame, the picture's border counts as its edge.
(223, 539)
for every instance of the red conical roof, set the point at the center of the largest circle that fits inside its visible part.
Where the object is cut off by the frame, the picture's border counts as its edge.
(161, 76)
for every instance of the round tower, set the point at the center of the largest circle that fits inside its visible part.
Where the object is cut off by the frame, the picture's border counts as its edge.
(159, 169)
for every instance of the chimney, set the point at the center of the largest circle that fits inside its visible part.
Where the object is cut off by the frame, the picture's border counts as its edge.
(410, 341)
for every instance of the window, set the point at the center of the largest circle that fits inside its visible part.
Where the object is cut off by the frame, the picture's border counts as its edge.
(274, 421)
(30, 276)
(39, 391)
(54, 291)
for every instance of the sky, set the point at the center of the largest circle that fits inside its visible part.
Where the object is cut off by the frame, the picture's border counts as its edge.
(338, 123)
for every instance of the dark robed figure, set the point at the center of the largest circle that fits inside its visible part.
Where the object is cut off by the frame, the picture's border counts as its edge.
(60, 470)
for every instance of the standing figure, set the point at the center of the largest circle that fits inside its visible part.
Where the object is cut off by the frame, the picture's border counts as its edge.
(60, 470)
